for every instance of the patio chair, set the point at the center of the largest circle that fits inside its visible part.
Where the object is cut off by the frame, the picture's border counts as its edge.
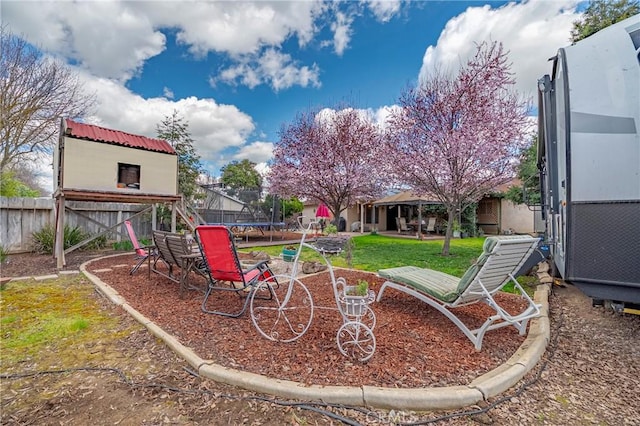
(222, 265)
(142, 253)
(187, 256)
(431, 225)
(501, 258)
(165, 256)
(401, 222)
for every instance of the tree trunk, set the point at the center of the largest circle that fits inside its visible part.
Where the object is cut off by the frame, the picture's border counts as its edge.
(448, 232)
(336, 214)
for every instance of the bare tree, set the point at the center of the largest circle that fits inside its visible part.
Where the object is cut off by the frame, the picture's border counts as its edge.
(29, 175)
(35, 92)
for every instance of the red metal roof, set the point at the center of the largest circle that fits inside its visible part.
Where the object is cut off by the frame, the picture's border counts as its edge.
(102, 134)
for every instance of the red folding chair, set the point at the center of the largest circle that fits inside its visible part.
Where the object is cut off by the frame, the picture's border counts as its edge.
(142, 253)
(222, 265)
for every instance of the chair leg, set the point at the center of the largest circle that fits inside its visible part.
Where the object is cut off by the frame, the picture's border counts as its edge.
(135, 268)
(471, 334)
(213, 287)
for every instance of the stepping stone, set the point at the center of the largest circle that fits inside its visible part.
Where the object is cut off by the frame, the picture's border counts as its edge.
(545, 278)
(46, 277)
(20, 278)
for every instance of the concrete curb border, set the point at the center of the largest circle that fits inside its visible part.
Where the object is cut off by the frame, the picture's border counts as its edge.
(420, 399)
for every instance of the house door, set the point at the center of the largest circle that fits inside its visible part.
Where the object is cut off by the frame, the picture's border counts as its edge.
(392, 214)
(489, 215)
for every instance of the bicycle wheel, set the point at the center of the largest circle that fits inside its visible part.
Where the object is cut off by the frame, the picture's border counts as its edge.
(356, 341)
(286, 315)
(368, 318)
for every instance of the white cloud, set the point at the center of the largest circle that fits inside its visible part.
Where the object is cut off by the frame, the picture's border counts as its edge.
(263, 169)
(381, 115)
(274, 68)
(532, 32)
(43, 172)
(239, 28)
(383, 10)
(168, 93)
(258, 152)
(93, 34)
(214, 127)
(341, 28)
(117, 48)
(113, 39)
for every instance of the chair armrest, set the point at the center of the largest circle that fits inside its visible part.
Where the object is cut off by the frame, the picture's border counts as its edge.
(260, 265)
(152, 249)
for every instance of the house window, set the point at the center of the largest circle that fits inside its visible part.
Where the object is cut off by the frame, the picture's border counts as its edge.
(128, 176)
(485, 207)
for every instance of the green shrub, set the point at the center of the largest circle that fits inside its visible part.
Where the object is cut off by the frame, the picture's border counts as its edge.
(44, 239)
(3, 253)
(123, 245)
(126, 245)
(97, 243)
(331, 229)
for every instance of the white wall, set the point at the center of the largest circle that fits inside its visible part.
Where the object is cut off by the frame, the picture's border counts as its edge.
(93, 166)
(517, 217)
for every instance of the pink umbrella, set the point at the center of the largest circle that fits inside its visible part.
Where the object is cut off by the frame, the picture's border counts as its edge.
(323, 211)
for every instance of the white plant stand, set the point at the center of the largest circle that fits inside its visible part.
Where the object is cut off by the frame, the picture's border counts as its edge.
(288, 314)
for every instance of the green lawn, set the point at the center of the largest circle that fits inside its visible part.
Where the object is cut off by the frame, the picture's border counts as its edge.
(374, 252)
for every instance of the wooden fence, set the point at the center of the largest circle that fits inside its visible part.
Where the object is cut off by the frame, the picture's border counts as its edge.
(21, 217)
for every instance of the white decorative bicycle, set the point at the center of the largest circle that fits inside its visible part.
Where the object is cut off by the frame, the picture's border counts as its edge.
(288, 314)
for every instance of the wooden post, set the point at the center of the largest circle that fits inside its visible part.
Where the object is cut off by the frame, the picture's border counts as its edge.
(119, 220)
(419, 220)
(173, 216)
(59, 242)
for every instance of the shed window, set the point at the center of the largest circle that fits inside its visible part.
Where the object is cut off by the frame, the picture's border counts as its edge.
(128, 176)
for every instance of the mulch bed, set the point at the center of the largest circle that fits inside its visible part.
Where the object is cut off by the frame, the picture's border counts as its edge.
(416, 345)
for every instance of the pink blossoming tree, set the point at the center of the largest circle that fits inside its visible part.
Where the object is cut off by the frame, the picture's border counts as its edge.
(330, 156)
(459, 137)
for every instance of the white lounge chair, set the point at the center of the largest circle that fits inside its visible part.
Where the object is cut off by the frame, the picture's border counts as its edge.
(501, 258)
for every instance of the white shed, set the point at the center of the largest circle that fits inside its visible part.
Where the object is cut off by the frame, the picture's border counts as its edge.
(93, 163)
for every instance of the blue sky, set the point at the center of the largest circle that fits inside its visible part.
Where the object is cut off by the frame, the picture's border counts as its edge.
(237, 71)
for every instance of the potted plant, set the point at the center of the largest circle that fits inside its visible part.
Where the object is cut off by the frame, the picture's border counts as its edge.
(356, 297)
(289, 253)
(331, 229)
(457, 229)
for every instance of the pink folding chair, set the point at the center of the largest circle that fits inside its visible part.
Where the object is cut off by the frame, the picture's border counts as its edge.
(142, 253)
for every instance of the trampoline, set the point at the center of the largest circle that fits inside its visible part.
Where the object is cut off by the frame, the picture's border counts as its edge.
(243, 228)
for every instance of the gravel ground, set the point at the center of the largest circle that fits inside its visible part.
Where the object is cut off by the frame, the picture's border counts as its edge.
(589, 374)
